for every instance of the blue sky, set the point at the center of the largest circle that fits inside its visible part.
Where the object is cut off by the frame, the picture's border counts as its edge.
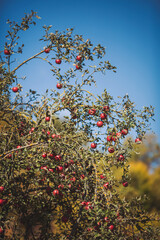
(130, 31)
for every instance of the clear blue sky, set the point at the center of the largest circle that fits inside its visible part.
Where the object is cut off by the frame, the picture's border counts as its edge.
(129, 29)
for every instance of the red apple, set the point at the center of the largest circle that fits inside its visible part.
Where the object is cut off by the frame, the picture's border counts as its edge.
(106, 185)
(32, 129)
(71, 162)
(51, 155)
(56, 192)
(48, 132)
(47, 50)
(92, 111)
(59, 85)
(58, 157)
(61, 186)
(110, 149)
(125, 184)
(58, 61)
(78, 66)
(78, 58)
(47, 119)
(106, 108)
(50, 170)
(138, 140)
(103, 116)
(102, 177)
(93, 145)
(44, 155)
(124, 131)
(105, 219)
(121, 158)
(44, 168)
(1, 230)
(15, 89)
(1, 202)
(82, 176)
(1, 188)
(118, 135)
(109, 138)
(99, 123)
(111, 227)
(6, 52)
(59, 169)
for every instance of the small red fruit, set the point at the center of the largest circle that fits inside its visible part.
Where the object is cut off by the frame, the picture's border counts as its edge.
(9, 156)
(118, 135)
(124, 131)
(1, 188)
(32, 129)
(58, 157)
(99, 123)
(106, 108)
(111, 227)
(110, 149)
(50, 170)
(93, 145)
(71, 162)
(59, 85)
(92, 111)
(44, 155)
(59, 169)
(125, 184)
(56, 192)
(58, 61)
(47, 119)
(1, 230)
(48, 132)
(103, 116)
(61, 186)
(121, 158)
(1, 202)
(102, 177)
(105, 219)
(78, 58)
(6, 52)
(138, 140)
(109, 138)
(106, 185)
(51, 155)
(78, 67)
(15, 89)
(82, 176)
(47, 50)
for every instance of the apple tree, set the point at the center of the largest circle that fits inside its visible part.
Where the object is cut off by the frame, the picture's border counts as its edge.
(49, 169)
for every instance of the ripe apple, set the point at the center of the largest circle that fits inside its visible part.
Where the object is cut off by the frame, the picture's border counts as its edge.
(124, 131)
(56, 192)
(106, 185)
(105, 219)
(59, 169)
(1, 188)
(1, 202)
(61, 186)
(32, 129)
(102, 176)
(48, 132)
(106, 108)
(58, 157)
(92, 111)
(59, 85)
(73, 179)
(78, 58)
(44, 155)
(125, 184)
(118, 135)
(93, 145)
(47, 119)
(44, 168)
(121, 158)
(6, 52)
(58, 61)
(1, 230)
(110, 149)
(78, 66)
(15, 89)
(50, 170)
(47, 50)
(103, 116)
(99, 123)
(82, 176)
(111, 227)
(109, 138)
(138, 140)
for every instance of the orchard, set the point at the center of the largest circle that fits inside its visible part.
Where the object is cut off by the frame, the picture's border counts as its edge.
(59, 175)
